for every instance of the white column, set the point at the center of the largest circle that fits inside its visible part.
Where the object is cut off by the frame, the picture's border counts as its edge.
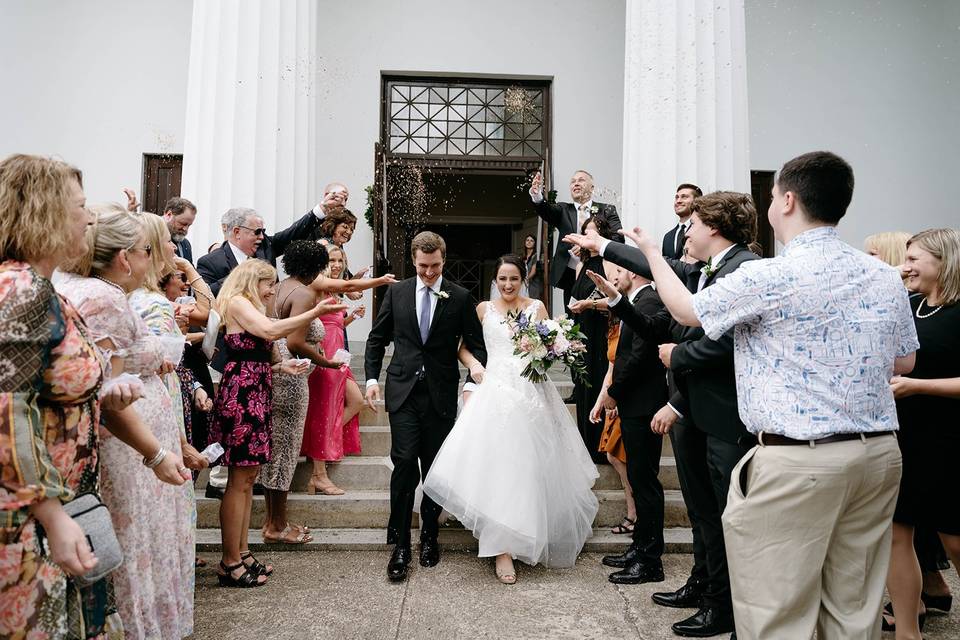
(250, 125)
(685, 105)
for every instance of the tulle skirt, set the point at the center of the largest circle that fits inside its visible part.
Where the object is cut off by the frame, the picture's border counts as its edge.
(515, 471)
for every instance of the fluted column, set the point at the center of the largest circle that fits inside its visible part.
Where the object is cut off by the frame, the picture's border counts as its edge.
(685, 104)
(250, 125)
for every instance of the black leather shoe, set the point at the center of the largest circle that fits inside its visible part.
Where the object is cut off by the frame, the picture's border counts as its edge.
(257, 489)
(397, 567)
(213, 492)
(689, 596)
(429, 552)
(708, 621)
(638, 573)
(619, 561)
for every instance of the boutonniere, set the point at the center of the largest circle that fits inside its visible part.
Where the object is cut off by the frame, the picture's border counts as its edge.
(594, 209)
(708, 269)
(442, 295)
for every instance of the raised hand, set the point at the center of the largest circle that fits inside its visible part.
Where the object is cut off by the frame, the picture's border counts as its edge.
(330, 305)
(589, 241)
(603, 284)
(132, 204)
(536, 186)
(388, 278)
(641, 238)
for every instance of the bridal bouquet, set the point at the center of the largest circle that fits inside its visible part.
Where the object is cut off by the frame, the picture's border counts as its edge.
(544, 342)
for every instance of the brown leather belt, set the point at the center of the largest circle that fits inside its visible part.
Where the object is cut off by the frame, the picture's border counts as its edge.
(772, 439)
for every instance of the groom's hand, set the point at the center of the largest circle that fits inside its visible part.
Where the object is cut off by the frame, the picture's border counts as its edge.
(373, 396)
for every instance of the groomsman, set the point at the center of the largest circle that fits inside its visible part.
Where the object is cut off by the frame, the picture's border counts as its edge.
(674, 239)
(721, 227)
(637, 391)
(569, 218)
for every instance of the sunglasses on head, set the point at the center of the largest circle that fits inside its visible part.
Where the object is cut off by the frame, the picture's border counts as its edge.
(257, 232)
(147, 249)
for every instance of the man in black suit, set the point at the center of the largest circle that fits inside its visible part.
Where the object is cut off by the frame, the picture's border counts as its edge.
(674, 239)
(247, 238)
(569, 217)
(722, 224)
(638, 389)
(425, 317)
(179, 214)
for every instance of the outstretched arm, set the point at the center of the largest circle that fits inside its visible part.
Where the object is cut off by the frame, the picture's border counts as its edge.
(674, 294)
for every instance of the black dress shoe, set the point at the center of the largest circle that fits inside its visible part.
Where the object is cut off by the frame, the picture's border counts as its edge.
(638, 573)
(213, 492)
(429, 552)
(397, 567)
(257, 489)
(708, 621)
(689, 596)
(619, 561)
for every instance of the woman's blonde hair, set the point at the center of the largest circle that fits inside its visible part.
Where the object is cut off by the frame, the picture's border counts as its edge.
(34, 206)
(889, 246)
(157, 234)
(330, 249)
(243, 282)
(114, 229)
(944, 245)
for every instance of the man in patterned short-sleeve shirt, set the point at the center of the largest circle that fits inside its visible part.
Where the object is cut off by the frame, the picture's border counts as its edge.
(819, 332)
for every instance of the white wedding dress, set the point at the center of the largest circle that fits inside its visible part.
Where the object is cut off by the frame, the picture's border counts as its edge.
(514, 469)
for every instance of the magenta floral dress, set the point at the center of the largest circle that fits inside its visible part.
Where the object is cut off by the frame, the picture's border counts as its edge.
(242, 410)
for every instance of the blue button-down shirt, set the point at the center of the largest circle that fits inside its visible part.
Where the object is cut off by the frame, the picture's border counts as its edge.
(816, 333)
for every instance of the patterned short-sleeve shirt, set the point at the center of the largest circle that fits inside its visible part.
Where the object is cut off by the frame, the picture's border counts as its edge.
(816, 333)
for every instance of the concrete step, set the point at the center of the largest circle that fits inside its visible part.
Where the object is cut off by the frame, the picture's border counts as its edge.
(678, 540)
(371, 509)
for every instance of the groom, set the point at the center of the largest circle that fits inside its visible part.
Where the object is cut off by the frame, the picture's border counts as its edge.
(425, 317)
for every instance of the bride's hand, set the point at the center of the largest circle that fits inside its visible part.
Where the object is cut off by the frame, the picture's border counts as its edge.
(476, 372)
(595, 413)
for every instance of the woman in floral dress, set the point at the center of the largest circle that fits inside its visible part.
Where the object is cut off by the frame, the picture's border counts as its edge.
(242, 409)
(50, 380)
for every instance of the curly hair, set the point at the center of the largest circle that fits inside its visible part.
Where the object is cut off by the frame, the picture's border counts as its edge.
(732, 214)
(243, 282)
(305, 259)
(34, 205)
(335, 219)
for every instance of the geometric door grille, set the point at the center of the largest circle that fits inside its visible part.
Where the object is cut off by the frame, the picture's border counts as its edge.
(464, 119)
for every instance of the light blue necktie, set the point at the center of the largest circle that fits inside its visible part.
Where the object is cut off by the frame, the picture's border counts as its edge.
(425, 315)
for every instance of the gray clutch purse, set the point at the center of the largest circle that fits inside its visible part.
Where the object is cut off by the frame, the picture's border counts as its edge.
(93, 517)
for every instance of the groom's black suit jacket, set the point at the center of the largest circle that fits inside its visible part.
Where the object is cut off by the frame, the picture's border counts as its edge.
(563, 216)
(702, 368)
(453, 318)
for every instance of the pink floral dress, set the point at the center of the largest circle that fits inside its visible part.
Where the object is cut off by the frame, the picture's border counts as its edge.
(154, 586)
(50, 375)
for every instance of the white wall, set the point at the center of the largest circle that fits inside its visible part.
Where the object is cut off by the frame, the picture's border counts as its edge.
(876, 82)
(96, 83)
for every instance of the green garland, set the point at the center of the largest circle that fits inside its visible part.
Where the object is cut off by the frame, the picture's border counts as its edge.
(368, 213)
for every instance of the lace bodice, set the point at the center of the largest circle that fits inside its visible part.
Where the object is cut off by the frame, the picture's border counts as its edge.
(496, 338)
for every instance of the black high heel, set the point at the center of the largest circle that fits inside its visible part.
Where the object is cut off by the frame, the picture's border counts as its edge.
(244, 581)
(888, 611)
(940, 603)
(256, 567)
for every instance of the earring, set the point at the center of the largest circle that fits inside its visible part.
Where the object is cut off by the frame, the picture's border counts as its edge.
(129, 271)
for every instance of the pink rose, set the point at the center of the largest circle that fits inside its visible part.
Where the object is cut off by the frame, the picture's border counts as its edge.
(526, 344)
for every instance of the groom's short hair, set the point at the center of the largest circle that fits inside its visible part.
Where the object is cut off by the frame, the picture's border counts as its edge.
(428, 242)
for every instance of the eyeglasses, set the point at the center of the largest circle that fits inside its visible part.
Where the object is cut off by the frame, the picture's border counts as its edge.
(257, 232)
(147, 249)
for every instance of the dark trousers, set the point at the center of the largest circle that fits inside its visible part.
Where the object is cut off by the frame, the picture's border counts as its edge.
(416, 433)
(643, 448)
(195, 360)
(679, 434)
(706, 462)
(565, 283)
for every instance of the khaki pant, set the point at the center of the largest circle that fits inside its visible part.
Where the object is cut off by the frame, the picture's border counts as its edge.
(808, 538)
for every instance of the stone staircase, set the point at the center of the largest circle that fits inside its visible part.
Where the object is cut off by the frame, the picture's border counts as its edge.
(357, 519)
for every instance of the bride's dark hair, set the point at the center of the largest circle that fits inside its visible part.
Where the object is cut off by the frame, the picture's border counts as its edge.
(516, 261)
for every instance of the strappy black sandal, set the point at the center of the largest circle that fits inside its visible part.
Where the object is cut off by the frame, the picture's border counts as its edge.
(256, 567)
(246, 579)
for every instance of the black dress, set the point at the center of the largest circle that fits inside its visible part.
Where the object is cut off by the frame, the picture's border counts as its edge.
(594, 325)
(929, 434)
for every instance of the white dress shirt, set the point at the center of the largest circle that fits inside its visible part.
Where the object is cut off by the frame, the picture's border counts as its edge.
(714, 261)
(583, 212)
(237, 253)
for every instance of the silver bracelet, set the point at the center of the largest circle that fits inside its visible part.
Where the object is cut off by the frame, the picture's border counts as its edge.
(155, 460)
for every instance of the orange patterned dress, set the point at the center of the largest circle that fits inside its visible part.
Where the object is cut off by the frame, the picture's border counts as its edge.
(610, 440)
(50, 376)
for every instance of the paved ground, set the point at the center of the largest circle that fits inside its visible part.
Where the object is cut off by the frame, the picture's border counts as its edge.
(345, 595)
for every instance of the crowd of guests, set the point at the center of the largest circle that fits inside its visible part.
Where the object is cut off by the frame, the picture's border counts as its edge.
(107, 391)
(737, 358)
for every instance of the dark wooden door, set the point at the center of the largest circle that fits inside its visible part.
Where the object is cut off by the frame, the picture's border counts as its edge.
(761, 183)
(161, 180)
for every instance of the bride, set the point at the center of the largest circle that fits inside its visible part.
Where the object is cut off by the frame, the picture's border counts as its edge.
(514, 468)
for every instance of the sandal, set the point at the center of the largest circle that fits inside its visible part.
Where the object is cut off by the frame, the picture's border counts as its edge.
(255, 566)
(625, 526)
(199, 563)
(505, 577)
(244, 581)
(892, 626)
(324, 490)
(301, 537)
